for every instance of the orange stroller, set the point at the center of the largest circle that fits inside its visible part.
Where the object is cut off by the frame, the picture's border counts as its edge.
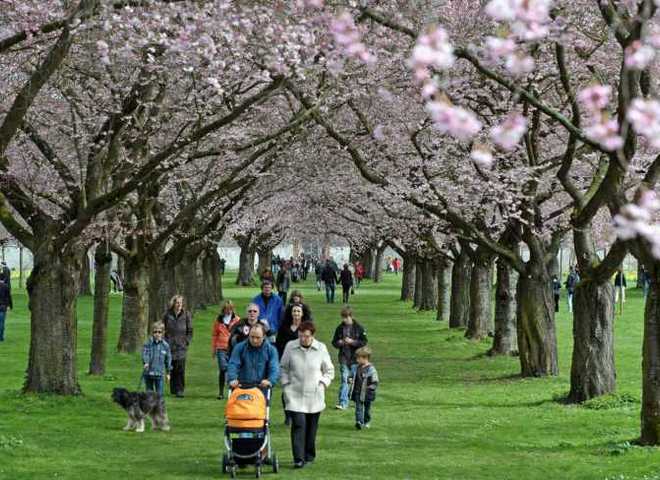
(247, 431)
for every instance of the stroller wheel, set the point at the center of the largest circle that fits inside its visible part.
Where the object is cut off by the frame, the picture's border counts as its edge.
(232, 471)
(258, 472)
(276, 463)
(225, 463)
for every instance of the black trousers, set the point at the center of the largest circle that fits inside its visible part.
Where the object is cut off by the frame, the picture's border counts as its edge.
(283, 297)
(178, 376)
(345, 294)
(303, 435)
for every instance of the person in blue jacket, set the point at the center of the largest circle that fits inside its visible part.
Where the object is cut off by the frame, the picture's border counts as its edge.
(254, 361)
(271, 308)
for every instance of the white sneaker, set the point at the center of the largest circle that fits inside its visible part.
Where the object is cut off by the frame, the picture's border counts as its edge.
(340, 407)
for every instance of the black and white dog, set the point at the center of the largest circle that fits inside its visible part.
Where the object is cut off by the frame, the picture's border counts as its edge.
(139, 405)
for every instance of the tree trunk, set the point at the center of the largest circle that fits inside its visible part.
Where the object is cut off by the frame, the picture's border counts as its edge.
(162, 287)
(211, 271)
(459, 304)
(419, 274)
(592, 365)
(537, 340)
(52, 288)
(505, 341)
(408, 278)
(246, 267)
(134, 315)
(639, 275)
(481, 310)
(102, 264)
(85, 286)
(265, 259)
(443, 275)
(378, 263)
(190, 286)
(368, 263)
(650, 434)
(429, 299)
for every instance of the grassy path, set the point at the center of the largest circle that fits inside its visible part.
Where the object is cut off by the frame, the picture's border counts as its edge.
(444, 409)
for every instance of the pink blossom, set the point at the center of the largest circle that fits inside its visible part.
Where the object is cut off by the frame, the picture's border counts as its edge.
(433, 50)
(456, 121)
(638, 56)
(644, 116)
(606, 133)
(348, 38)
(379, 133)
(482, 157)
(518, 64)
(635, 221)
(104, 52)
(595, 98)
(508, 133)
(500, 47)
(503, 10)
(429, 89)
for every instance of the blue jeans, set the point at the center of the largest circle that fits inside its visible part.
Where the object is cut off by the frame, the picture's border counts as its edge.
(3, 314)
(223, 360)
(346, 373)
(362, 412)
(330, 293)
(154, 384)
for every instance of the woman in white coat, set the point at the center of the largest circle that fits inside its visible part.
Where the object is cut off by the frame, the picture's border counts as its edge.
(305, 373)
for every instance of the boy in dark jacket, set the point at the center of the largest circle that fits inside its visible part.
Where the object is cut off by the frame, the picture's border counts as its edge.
(157, 360)
(364, 387)
(349, 336)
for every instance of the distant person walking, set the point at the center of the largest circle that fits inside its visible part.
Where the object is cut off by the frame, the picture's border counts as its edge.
(283, 282)
(329, 278)
(306, 373)
(556, 291)
(359, 273)
(5, 304)
(178, 334)
(571, 282)
(5, 274)
(348, 337)
(620, 286)
(346, 280)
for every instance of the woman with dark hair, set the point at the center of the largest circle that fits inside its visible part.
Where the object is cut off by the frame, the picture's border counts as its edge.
(296, 299)
(306, 372)
(178, 334)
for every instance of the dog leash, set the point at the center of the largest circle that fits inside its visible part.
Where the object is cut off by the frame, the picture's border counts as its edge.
(139, 387)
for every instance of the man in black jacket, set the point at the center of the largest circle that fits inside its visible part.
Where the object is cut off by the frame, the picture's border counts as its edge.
(5, 303)
(5, 274)
(329, 277)
(349, 336)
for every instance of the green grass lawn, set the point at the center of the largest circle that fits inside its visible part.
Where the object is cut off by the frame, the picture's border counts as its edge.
(444, 410)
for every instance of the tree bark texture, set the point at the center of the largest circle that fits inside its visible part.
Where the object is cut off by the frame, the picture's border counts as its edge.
(246, 267)
(211, 272)
(419, 274)
(592, 367)
(408, 278)
(368, 263)
(265, 259)
(162, 287)
(102, 265)
(378, 263)
(505, 341)
(459, 306)
(650, 431)
(134, 315)
(189, 282)
(481, 310)
(443, 275)
(429, 298)
(537, 340)
(85, 286)
(52, 288)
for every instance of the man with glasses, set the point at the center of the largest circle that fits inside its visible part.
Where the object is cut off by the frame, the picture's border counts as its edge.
(241, 330)
(157, 360)
(254, 361)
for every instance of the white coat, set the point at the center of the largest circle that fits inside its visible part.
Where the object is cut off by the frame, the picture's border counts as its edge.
(305, 374)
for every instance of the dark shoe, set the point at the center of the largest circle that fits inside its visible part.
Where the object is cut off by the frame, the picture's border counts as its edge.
(298, 464)
(179, 395)
(358, 426)
(309, 460)
(221, 396)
